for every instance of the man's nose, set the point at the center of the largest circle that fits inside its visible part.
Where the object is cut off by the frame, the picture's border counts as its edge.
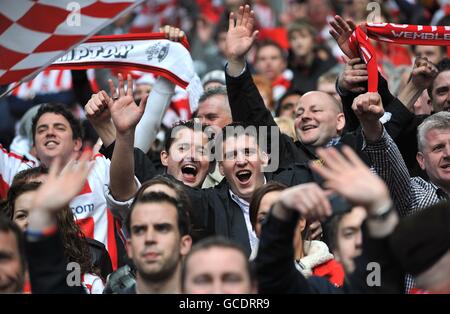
(241, 158)
(50, 131)
(306, 115)
(217, 287)
(447, 150)
(150, 236)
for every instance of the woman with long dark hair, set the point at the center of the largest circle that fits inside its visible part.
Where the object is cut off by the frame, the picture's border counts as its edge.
(76, 248)
(312, 257)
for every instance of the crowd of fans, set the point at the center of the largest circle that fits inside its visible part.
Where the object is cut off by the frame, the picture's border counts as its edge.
(289, 177)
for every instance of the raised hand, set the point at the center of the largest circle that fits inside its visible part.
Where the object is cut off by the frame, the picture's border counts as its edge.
(341, 31)
(97, 108)
(240, 35)
(62, 186)
(308, 199)
(125, 113)
(355, 73)
(423, 73)
(172, 33)
(347, 175)
(368, 107)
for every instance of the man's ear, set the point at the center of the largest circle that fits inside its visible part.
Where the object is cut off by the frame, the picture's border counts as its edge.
(340, 123)
(128, 248)
(421, 160)
(301, 224)
(185, 245)
(264, 159)
(164, 156)
(78, 144)
(221, 169)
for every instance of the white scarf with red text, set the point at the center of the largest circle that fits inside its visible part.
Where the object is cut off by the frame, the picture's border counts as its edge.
(149, 52)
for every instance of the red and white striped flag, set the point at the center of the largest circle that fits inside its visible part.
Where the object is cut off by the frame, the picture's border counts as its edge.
(35, 33)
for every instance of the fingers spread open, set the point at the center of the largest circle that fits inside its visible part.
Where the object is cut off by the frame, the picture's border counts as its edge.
(129, 85)
(121, 85)
(112, 88)
(231, 22)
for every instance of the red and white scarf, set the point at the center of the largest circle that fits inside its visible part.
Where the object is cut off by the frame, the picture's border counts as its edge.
(393, 33)
(149, 52)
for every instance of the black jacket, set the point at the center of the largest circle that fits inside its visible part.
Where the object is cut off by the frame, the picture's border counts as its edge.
(247, 106)
(100, 257)
(214, 211)
(47, 266)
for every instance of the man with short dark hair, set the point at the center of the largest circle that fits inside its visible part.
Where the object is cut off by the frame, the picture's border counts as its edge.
(287, 103)
(12, 257)
(217, 265)
(434, 54)
(271, 63)
(56, 132)
(270, 60)
(159, 228)
(306, 63)
(439, 90)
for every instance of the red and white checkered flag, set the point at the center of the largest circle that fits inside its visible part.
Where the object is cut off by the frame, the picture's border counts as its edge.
(35, 33)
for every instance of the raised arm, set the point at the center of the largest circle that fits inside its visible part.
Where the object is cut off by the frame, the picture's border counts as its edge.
(98, 114)
(157, 102)
(382, 151)
(240, 38)
(45, 251)
(125, 114)
(345, 174)
(245, 100)
(341, 30)
(422, 74)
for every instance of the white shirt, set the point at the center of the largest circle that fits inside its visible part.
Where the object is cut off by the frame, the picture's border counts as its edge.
(245, 207)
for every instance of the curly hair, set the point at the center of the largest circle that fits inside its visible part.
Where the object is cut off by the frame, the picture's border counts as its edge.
(76, 248)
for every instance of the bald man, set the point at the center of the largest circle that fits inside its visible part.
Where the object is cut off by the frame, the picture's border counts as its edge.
(319, 119)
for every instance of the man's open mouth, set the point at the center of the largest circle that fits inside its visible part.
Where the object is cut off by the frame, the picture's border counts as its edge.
(189, 171)
(243, 175)
(51, 143)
